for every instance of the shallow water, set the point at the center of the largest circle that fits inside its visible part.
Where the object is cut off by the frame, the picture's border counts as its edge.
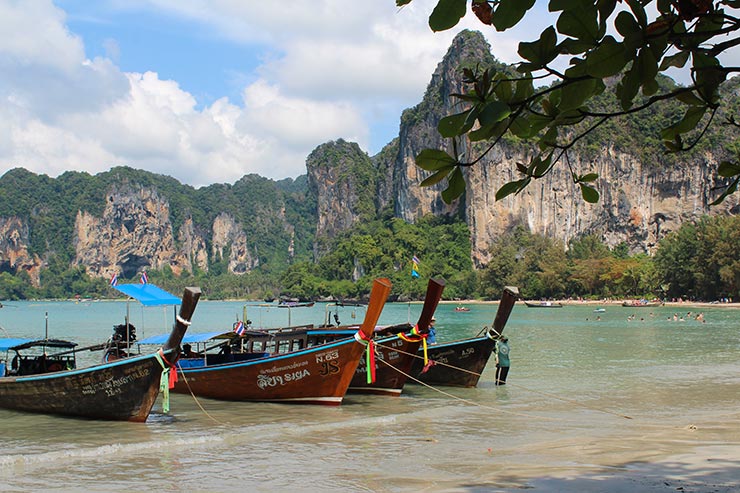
(608, 405)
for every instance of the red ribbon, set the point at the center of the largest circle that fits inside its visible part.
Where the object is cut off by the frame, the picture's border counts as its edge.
(173, 370)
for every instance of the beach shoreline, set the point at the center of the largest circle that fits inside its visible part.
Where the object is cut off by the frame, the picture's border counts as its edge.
(571, 302)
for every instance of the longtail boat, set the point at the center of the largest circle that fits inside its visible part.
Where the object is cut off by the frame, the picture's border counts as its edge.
(543, 304)
(460, 363)
(395, 349)
(124, 390)
(395, 346)
(315, 375)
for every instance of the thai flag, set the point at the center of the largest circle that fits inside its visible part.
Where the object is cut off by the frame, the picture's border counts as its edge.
(114, 280)
(239, 328)
(144, 279)
(415, 259)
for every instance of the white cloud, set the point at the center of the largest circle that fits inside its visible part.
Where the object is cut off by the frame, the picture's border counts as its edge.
(327, 66)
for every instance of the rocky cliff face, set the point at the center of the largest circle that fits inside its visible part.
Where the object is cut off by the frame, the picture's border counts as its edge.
(344, 182)
(640, 202)
(133, 234)
(227, 233)
(14, 255)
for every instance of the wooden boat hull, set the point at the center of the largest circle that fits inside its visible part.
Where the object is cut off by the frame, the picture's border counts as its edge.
(317, 375)
(456, 364)
(124, 390)
(543, 304)
(394, 359)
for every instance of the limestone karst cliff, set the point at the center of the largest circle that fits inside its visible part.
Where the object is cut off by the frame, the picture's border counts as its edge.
(124, 221)
(641, 200)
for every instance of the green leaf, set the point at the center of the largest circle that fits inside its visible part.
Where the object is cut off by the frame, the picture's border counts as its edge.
(606, 60)
(639, 11)
(677, 60)
(728, 169)
(542, 51)
(587, 178)
(541, 166)
(509, 13)
(494, 112)
(512, 187)
(730, 190)
(446, 14)
(689, 122)
(488, 132)
(628, 87)
(455, 186)
(573, 95)
(524, 89)
(454, 125)
(521, 127)
(691, 99)
(434, 159)
(590, 194)
(436, 177)
(580, 22)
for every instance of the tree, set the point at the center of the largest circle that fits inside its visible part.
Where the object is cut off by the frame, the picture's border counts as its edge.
(614, 48)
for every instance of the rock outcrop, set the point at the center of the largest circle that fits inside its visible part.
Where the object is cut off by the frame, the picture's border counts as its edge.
(14, 254)
(133, 234)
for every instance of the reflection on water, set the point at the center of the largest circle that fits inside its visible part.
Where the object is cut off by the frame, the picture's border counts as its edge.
(573, 382)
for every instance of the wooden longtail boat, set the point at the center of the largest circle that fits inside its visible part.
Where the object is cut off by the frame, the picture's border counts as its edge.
(315, 375)
(396, 348)
(543, 304)
(124, 390)
(460, 363)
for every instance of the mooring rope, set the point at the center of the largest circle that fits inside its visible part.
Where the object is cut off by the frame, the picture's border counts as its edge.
(546, 394)
(466, 401)
(195, 398)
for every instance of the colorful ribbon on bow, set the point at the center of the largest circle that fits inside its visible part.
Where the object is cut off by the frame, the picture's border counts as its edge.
(168, 379)
(369, 354)
(418, 336)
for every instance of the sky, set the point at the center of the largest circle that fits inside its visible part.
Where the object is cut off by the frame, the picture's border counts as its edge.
(207, 91)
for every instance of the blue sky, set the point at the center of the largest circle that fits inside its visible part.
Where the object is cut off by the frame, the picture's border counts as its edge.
(207, 91)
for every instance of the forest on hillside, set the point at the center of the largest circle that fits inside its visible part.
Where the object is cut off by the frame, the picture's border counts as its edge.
(697, 262)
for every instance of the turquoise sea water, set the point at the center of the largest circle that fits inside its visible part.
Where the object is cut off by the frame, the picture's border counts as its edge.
(561, 424)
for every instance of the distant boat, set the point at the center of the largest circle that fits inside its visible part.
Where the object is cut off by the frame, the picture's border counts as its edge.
(462, 309)
(641, 303)
(600, 310)
(543, 304)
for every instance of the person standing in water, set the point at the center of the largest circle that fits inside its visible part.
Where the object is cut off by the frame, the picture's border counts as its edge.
(432, 334)
(502, 360)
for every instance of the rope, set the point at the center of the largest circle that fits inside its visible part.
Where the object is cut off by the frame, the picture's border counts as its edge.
(186, 323)
(185, 379)
(467, 401)
(570, 401)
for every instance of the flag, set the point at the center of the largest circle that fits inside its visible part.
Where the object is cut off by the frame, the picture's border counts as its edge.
(415, 260)
(144, 279)
(239, 328)
(415, 267)
(114, 280)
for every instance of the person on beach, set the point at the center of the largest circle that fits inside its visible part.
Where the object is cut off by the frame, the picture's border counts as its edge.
(502, 360)
(432, 335)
